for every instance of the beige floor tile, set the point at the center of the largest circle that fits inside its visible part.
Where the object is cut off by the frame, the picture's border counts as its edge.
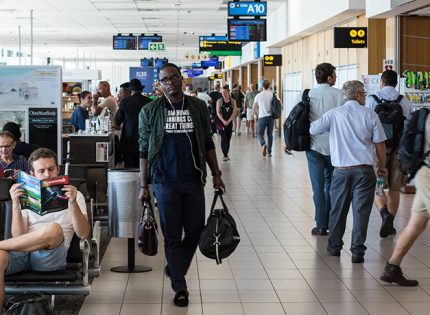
(141, 309)
(304, 309)
(257, 296)
(191, 309)
(381, 308)
(263, 308)
(297, 296)
(222, 309)
(101, 308)
(222, 296)
(343, 308)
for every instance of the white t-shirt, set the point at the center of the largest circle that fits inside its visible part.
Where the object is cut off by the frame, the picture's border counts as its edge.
(264, 100)
(63, 218)
(427, 139)
(110, 103)
(204, 97)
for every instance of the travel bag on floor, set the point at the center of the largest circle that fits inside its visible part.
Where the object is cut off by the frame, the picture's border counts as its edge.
(219, 237)
(29, 304)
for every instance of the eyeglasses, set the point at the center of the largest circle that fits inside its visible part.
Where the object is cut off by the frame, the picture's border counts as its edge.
(362, 92)
(7, 146)
(170, 80)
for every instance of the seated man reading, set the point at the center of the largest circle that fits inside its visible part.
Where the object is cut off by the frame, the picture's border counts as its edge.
(40, 243)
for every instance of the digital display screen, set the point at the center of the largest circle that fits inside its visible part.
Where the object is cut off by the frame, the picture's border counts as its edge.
(147, 62)
(247, 30)
(158, 63)
(220, 46)
(144, 41)
(212, 62)
(121, 42)
(247, 8)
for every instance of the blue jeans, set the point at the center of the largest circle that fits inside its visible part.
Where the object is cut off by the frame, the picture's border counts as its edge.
(320, 172)
(356, 186)
(181, 207)
(263, 123)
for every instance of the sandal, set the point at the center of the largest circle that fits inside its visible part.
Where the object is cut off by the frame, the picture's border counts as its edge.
(181, 298)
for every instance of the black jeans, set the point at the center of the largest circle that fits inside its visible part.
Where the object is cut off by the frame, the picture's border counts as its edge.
(181, 207)
(225, 138)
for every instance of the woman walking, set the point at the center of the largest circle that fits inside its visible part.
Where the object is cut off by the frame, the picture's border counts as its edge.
(226, 111)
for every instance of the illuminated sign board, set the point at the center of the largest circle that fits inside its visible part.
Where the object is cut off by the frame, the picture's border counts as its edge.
(124, 42)
(247, 8)
(247, 30)
(350, 37)
(144, 41)
(272, 60)
(220, 46)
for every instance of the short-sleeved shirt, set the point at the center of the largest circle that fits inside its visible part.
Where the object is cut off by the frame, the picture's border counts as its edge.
(204, 97)
(427, 139)
(78, 118)
(264, 100)
(110, 103)
(19, 163)
(63, 218)
(238, 97)
(249, 99)
(179, 149)
(389, 93)
(353, 130)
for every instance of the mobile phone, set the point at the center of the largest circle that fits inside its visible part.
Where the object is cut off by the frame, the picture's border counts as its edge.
(8, 173)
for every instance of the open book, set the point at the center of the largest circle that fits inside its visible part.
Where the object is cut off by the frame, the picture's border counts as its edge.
(43, 196)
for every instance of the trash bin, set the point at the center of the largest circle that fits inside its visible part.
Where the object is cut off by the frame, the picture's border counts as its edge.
(124, 209)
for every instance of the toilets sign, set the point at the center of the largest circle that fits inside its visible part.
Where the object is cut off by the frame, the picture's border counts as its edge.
(247, 8)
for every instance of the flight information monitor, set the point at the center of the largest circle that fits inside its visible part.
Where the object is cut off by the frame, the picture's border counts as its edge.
(124, 42)
(247, 30)
(212, 62)
(144, 41)
(220, 46)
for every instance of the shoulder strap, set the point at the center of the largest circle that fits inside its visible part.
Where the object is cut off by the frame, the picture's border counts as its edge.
(305, 96)
(218, 193)
(377, 99)
(399, 99)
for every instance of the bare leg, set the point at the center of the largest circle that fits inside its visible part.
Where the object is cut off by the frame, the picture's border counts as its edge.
(48, 237)
(416, 225)
(393, 201)
(381, 201)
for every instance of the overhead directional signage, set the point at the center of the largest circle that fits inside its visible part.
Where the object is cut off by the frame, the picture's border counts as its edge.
(156, 46)
(350, 37)
(215, 76)
(272, 60)
(220, 46)
(247, 8)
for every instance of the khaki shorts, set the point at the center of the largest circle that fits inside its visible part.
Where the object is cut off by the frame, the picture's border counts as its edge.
(421, 202)
(249, 114)
(396, 178)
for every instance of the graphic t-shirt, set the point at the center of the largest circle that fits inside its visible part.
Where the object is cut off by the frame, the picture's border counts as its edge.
(179, 149)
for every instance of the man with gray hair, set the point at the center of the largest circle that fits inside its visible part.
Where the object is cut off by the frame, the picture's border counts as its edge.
(353, 132)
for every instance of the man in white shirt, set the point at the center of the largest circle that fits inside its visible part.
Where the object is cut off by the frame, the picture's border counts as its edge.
(417, 222)
(354, 131)
(108, 102)
(388, 204)
(204, 97)
(262, 109)
(40, 243)
(322, 98)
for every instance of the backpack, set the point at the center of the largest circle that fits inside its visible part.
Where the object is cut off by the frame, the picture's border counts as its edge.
(275, 107)
(411, 148)
(29, 303)
(297, 124)
(391, 115)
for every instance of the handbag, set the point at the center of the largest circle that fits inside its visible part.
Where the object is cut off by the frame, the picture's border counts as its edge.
(147, 240)
(29, 303)
(219, 237)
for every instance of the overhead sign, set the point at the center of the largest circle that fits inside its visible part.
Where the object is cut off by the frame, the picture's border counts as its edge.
(156, 46)
(272, 60)
(247, 30)
(350, 37)
(388, 65)
(247, 8)
(200, 56)
(216, 76)
(145, 40)
(220, 46)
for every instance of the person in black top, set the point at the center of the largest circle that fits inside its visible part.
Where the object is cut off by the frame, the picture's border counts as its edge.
(128, 116)
(21, 147)
(226, 111)
(238, 96)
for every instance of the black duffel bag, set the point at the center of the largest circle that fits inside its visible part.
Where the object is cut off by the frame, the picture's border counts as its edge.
(28, 304)
(219, 237)
(147, 240)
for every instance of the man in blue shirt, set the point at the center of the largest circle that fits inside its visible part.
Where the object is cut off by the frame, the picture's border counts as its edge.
(354, 131)
(81, 112)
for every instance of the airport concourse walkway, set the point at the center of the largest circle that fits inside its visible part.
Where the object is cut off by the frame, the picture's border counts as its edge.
(279, 267)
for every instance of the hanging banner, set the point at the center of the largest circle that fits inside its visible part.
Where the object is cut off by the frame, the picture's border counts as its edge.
(43, 127)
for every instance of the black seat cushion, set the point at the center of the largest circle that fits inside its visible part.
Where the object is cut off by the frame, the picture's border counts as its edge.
(49, 276)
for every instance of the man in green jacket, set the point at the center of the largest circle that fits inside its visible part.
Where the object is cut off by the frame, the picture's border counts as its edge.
(175, 143)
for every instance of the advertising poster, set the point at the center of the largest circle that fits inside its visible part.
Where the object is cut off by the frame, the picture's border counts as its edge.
(146, 77)
(43, 127)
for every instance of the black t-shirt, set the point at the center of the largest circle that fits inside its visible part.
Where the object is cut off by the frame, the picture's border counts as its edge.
(179, 149)
(238, 97)
(215, 96)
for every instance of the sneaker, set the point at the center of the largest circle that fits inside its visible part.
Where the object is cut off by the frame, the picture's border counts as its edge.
(264, 150)
(387, 223)
(393, 273)
(225, 158)
(181, 298)
(269, 155)
(239, 133)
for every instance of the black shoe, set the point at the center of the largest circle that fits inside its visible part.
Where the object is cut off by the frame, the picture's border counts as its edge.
(387, 223)
(393, 273)
(333, 252)
(319, 232)
(181, 298)
(357, 259)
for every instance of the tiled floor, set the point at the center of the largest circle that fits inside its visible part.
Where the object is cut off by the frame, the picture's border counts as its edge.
(279, 267)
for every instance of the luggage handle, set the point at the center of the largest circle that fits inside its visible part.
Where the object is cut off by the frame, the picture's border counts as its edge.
(218, 193)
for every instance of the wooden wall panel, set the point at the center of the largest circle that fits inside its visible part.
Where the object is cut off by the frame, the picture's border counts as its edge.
(244, 78)
(415, 43)
(376, 45)
(235, 77)
(269, 73)
(254, 73)
(320, 47)
(314, 49)
(390, 38)
(328, 45)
